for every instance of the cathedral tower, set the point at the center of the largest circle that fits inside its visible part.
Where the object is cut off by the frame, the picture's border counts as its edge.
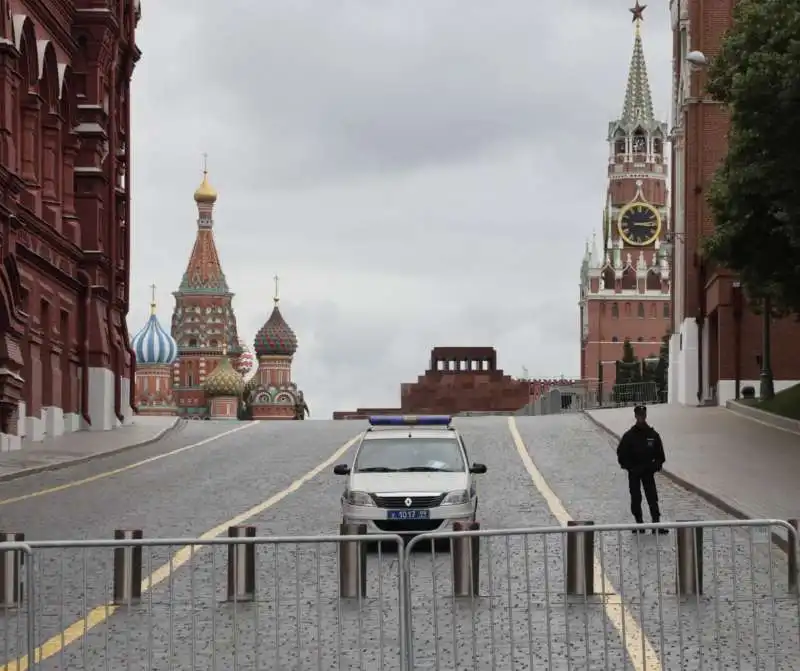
(271, 392)
(625, 276)
(155, 352)
(203, 321)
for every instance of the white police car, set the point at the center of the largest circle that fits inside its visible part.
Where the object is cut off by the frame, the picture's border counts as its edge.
(410, 475)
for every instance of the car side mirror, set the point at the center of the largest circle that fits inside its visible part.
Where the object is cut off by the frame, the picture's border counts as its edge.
(341, 469)
(478, 469)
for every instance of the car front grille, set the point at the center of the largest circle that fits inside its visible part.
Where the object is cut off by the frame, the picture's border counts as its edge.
(399, 502)
(408, 526)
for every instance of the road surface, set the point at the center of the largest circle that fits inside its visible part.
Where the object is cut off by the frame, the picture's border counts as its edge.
(543, 471)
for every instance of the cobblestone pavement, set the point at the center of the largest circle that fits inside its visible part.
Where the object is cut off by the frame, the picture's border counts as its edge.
(521, 620)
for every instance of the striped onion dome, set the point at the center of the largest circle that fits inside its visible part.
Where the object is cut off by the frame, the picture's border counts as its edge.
(246, 359)
(276, 337)
(153, 345)
(224, 380)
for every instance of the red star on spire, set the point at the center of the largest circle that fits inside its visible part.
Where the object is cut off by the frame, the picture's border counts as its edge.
(637, 11)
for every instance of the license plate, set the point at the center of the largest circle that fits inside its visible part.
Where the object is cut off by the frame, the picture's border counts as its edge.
(409, 514)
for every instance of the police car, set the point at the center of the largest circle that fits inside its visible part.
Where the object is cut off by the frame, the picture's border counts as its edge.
(410, 475)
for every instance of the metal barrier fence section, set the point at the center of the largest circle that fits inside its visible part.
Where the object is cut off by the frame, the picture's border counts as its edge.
(242, 602)
(707, 595)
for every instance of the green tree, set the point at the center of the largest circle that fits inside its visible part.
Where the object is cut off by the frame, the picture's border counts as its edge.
(662, 367)
(629, 371)
(754, 196)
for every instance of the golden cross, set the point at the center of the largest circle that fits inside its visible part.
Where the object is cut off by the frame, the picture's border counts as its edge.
(276, 298)
(153, 299)
(205, 164)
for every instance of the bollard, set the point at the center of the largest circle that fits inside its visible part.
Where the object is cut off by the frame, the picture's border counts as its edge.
(241, 565)
(466, 552)
(11, 590)
(791, 555)
(352, 562)
(127, 568)
(580, 560)
(689, 562)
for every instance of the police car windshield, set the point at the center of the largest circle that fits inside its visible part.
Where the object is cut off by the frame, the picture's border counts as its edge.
(393, 455)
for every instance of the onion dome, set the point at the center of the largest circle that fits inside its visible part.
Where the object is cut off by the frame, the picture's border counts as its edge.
(205, 192)
(275, 338)
(224, 380)
(244, 363)
(153, 345)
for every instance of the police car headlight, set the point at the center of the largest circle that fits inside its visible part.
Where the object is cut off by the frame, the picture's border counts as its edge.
(458, 497)
(358, 499)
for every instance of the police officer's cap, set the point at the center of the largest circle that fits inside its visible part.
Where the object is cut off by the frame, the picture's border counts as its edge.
(640, 411)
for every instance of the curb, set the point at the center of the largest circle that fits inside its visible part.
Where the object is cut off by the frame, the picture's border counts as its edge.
(25, 472)
(706, 495)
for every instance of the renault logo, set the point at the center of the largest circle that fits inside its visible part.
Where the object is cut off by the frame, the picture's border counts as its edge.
(408, 503)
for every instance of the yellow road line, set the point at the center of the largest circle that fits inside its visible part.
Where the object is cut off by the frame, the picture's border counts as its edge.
(640, 652)
(122, 469)
(100, 614)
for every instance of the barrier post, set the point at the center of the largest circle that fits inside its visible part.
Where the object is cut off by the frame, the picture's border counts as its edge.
(11, 561)
(353, 562)
(791, 555)
(689, 562)
(127, 568)
(241, 565)
(466, 558)
(580, 560)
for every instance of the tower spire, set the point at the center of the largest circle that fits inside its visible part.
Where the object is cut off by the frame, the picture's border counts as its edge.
(638, 105)
(276, 298)
(153, 299)
(204, 270)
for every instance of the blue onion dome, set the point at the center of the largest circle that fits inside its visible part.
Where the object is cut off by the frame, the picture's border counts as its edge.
(276, 337)
(153, 345)
(224, 380)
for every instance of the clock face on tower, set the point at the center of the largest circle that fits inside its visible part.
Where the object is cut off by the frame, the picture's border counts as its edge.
(639, 224)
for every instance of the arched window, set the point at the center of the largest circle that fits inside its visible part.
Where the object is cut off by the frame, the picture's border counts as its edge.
(640, 310)
(627, 309)
(615, 310)
(614, 339)
(666, 310)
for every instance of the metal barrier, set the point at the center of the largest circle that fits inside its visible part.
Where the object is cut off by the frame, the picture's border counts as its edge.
(582, 596)
(199, 609)
(549, 599)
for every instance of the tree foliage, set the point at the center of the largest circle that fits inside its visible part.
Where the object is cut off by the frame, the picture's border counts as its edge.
(754, 196)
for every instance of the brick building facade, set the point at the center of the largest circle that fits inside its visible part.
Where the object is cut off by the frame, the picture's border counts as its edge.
(625, 277)
(458, 379)
(65, 357)
(716, 339)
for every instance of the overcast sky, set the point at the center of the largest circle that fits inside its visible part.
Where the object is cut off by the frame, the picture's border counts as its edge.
(417, 172)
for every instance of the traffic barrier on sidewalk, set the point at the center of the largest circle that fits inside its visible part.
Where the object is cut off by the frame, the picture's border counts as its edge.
(241, 565)
(580, 560)
(127, 567)
(466, 551)
(11, 562)
(689, 561)
(353, 562)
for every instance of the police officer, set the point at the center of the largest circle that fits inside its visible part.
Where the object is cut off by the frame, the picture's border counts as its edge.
(641, 453)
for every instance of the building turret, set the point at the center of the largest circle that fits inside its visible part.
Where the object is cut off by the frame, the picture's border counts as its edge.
(156, 351)
(272, 394)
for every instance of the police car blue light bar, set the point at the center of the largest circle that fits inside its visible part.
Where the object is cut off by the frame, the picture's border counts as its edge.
(410, 420)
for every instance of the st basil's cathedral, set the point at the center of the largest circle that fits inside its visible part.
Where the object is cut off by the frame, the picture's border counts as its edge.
(199, 369)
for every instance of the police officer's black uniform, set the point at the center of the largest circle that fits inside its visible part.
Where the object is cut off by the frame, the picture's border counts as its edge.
(641, 453)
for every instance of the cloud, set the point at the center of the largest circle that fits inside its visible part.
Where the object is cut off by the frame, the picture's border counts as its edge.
(417, 176)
